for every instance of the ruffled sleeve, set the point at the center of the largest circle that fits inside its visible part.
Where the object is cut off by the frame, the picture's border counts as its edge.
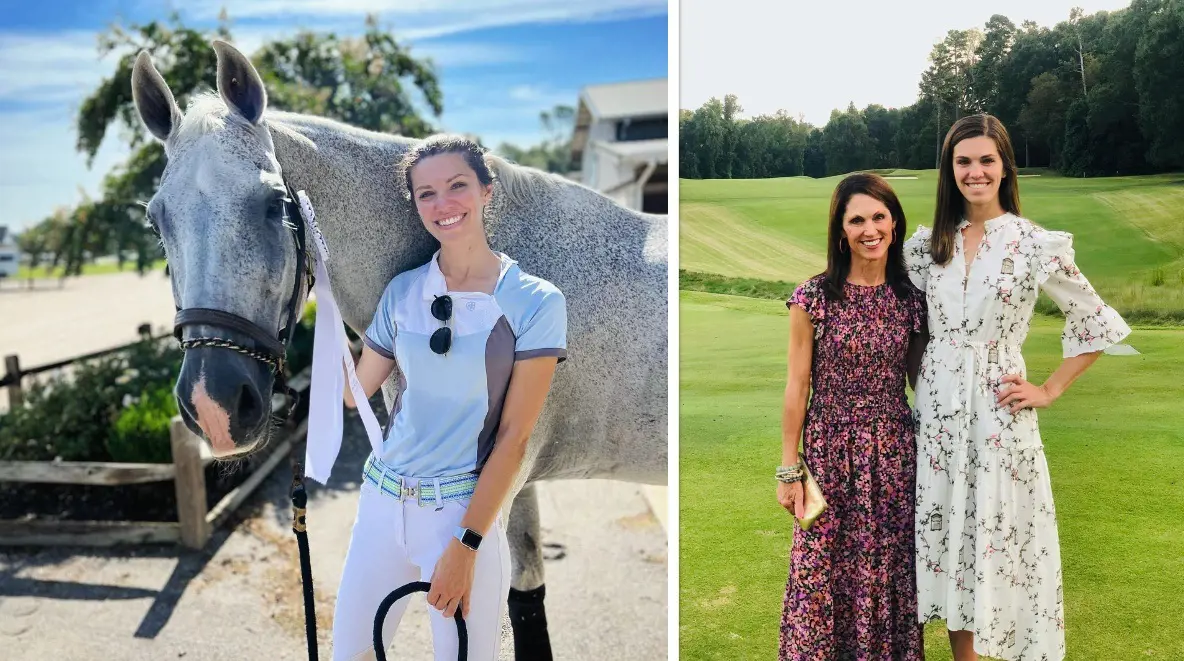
(810, 297)
(1090, 324)
(917, 257)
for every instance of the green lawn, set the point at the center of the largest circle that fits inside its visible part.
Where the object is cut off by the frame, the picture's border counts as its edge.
(1126, 229)
(1115, 448)
(87, 269)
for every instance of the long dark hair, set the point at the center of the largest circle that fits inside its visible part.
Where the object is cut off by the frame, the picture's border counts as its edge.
(838, 261)
(951, 205)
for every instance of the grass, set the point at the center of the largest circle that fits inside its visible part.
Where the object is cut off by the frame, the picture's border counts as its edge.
(1126, 230)
(1114, 442)
(105, 268)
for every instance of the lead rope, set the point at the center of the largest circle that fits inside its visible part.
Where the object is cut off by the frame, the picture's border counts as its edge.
(300, 527)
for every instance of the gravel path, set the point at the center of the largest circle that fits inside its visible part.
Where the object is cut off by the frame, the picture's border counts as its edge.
(54, 321)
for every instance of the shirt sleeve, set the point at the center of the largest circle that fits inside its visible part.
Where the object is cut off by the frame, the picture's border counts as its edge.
(809, 297)
(1090, 324)
(380, 335)
(545, 332)
(917, 257)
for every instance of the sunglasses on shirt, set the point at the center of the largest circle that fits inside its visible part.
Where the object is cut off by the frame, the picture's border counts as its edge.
(441, 340)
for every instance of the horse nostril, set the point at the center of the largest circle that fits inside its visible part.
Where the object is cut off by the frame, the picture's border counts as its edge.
(249, 407)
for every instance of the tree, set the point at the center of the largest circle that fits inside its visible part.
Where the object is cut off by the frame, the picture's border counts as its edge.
(882, 127)
(688, 161)
(359, 81)
(993, 51)
(553, 154)
(814, 158)
(1159, 67)
(366, 81)
(846, 142)
(1043, 117)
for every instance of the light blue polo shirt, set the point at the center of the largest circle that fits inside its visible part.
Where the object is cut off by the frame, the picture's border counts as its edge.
(446, 413)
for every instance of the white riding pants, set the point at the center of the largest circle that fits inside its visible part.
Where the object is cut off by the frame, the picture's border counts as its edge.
(395, 543)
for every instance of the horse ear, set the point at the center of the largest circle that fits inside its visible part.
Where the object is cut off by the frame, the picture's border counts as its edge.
(238, 82)
(153, 99)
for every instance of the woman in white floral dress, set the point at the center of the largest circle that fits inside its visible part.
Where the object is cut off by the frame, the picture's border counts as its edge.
(988, 558)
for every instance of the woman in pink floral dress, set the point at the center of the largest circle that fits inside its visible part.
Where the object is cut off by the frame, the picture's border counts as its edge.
(851, 592)
(988, 559)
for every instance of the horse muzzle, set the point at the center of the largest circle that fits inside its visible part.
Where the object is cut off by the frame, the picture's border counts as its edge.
(225, 397)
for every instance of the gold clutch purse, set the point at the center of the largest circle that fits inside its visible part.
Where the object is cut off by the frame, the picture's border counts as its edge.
(815, 503)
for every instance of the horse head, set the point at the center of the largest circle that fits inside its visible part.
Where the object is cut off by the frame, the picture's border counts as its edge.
(225, 222)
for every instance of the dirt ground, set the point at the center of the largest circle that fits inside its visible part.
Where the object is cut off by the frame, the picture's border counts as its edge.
(54, 321)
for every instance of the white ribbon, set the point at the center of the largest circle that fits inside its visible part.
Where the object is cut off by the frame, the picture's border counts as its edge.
(326, 403)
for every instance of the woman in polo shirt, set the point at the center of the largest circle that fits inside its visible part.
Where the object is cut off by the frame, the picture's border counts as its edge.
(477, 341)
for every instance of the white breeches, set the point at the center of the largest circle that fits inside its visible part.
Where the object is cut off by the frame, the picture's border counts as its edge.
(395, 543)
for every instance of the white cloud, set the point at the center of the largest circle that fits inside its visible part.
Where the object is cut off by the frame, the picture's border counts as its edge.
(525, 93)
(51, 67)
(452, 55)
(425, 19)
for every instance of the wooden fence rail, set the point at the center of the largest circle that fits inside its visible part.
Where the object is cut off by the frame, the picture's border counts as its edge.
(195, 521)
(14, 374)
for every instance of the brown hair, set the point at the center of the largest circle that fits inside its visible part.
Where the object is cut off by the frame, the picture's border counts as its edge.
(838, 261)
(951, 205)
(472, 152)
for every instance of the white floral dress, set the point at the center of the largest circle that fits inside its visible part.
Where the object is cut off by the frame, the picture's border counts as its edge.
(988, 558)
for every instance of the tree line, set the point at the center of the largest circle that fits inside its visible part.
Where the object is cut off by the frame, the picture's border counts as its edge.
(1095, 95)
(369, 81)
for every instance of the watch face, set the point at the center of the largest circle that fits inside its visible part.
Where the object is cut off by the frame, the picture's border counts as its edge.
(470, 539)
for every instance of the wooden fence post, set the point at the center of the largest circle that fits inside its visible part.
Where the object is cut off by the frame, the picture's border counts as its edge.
(191, 485)
(12, 367)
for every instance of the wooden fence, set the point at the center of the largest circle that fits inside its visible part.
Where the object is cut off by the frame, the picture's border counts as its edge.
(190, 453)
(14, 374)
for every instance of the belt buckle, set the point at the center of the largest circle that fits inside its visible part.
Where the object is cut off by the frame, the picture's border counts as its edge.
(405, 491)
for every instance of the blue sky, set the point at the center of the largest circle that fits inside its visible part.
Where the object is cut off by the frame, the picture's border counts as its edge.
(500, 63)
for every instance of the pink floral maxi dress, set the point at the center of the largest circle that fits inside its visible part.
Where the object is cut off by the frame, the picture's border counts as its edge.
(988, 558)
(851, 593)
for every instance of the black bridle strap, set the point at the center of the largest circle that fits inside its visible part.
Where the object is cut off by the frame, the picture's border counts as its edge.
(212, 317)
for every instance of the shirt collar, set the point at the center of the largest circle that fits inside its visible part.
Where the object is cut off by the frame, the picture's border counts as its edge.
(436, 285)
(990, 224)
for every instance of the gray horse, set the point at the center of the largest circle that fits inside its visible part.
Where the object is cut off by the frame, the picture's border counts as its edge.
(219, 212)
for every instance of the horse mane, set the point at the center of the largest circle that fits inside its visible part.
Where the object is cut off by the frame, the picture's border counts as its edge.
(522, 185)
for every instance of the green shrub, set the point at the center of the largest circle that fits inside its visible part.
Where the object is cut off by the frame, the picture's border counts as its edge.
(70, 416)
(141, 432)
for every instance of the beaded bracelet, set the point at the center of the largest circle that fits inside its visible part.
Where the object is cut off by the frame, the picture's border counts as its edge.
(791, 474)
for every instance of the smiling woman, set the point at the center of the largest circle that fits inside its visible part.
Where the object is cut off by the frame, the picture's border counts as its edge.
(477, 341)
(855, 331)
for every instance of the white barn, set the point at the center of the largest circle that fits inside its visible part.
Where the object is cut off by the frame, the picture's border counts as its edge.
(9, 255)
(620, 142)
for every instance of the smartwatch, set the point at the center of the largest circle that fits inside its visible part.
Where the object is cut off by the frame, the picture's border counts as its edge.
(468, 537)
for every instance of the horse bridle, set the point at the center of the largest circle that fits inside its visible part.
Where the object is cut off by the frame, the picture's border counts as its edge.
(271, 348)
